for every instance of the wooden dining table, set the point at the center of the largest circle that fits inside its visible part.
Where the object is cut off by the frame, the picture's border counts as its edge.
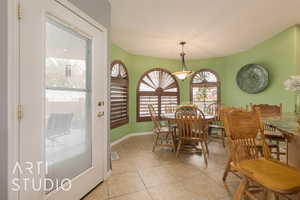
(287, 124)
(172, 117)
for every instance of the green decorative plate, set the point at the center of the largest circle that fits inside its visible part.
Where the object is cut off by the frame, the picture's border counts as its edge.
(252, 78)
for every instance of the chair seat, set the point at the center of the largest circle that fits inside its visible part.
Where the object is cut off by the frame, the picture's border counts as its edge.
(272, 175)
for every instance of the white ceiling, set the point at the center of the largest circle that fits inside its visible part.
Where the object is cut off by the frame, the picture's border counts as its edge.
(212, 28)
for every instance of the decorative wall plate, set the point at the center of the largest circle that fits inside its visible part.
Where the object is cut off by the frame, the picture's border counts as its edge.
(252, 78)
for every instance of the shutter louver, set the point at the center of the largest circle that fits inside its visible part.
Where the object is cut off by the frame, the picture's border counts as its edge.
(144, 101)
(168, 101)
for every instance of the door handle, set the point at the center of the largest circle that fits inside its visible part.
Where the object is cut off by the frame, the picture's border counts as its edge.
(100, 114)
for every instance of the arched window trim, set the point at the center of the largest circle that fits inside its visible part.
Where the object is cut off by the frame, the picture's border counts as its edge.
(217, 83)
(155, 93)
(125, 83)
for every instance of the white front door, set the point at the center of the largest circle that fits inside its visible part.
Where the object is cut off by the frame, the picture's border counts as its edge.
(63, 87)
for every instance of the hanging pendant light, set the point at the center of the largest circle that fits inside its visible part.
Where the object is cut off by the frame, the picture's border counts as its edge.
(184, 73)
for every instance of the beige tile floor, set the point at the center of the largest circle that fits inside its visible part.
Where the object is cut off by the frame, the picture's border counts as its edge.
(140, 174)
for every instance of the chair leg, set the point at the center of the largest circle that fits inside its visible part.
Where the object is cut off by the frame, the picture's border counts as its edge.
(276, 196)
(223, 137)
(155, 142)
(167, 137)
(227, 170)
(178, 147)
(204, 152)
(241, 189)
(173, 134)
(287, 152)
(209, 130)
(265, 194)
(206, 147)
(278, 150)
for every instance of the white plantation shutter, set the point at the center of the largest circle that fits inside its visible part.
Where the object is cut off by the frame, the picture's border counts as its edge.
(118, 95)
(159, 88)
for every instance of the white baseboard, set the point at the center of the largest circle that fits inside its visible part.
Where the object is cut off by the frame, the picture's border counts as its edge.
(130, 135)
(107, 175)
(142, 133)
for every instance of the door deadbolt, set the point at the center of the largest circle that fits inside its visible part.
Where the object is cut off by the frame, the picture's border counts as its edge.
(101, 103)
(100, 114)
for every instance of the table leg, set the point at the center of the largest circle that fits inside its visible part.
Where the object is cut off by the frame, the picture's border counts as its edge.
(293, 152)
(172, 130)
(174, 139)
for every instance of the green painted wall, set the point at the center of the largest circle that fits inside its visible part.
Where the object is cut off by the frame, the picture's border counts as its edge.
(119, 54)
(215, 64)
(277, 55)
(297, 48)
(136, 66)
(280, 55)
(142, 64)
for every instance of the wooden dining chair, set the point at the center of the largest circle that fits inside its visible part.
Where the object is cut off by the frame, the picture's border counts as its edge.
(274, 136)
(214, 109)
(218, 122)
(259, 144)
(271, 176)
(226, 109)
(192, 128)
(162, 135)
(229, 167)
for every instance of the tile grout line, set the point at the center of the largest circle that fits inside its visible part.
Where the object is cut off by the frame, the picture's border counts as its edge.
(139, 173)
(180, 161)
(117, 196)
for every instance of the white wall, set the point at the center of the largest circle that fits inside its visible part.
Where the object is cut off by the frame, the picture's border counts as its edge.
(97, 9)
(3, 100)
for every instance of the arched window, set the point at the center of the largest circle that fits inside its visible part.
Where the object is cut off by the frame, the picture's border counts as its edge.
(204, 88)
(118, 94)
(159, 88)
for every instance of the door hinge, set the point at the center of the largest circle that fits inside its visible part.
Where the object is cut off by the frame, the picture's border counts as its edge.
(19, 11)
(19, 112)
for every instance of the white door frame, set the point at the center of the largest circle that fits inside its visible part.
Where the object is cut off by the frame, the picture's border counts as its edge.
(13, 84)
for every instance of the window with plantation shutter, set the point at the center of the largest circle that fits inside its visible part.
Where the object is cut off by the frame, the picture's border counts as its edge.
(159, 88)
(118, 94)
(205, 89)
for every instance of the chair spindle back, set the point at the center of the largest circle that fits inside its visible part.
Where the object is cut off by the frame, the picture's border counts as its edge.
(214, 110)
(154, 118)
(191, 124)
(243, 127)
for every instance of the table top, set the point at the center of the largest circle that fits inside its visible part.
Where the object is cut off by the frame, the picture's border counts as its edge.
(286, 123)
(171, 116)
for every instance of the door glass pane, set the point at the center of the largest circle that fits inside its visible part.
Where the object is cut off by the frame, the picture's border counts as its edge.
(68, 127)
(66, 57)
